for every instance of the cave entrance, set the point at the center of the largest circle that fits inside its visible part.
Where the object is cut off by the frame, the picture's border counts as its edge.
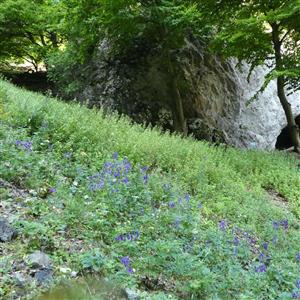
(32, 81)
(284, 140)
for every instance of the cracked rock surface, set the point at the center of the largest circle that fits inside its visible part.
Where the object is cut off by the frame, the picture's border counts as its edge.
(7, 232)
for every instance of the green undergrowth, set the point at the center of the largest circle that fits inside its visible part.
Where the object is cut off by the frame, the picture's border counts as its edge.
(168, 216)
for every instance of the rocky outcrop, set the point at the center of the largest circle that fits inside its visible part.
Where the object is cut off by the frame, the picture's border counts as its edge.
(7, 233)
(221, 97)
(215, 94)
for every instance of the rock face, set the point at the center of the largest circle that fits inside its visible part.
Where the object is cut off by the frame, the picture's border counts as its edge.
(39, 259)
(222, 102)
(260, 123)
(215, 95)
(7, 233)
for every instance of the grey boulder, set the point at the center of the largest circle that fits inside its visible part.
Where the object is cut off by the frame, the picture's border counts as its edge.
(7, 233)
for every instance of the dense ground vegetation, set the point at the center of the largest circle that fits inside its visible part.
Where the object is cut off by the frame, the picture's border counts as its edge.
(165, 216)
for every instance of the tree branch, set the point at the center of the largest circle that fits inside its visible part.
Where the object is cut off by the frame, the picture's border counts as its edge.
(43, 40)
(30, 36)
(285, 35)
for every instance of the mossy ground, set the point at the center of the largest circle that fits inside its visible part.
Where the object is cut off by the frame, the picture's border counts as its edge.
(169, 217)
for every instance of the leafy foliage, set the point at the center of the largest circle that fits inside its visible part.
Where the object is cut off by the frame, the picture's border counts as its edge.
(25, 35)
(162, 25)
(245, 30)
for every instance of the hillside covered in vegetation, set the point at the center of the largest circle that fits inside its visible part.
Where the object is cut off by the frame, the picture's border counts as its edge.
(150, 215)
(188, 66)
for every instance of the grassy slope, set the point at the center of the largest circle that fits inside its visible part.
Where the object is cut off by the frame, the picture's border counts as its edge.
(230, 184)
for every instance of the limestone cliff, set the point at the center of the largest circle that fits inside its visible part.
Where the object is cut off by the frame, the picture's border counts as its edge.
(214, 92)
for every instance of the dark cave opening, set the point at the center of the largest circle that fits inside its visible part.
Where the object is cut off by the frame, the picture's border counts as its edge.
(284, 140)
(32, 81)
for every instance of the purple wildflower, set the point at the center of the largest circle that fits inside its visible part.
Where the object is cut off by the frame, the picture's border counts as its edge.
(187, 197)
(119, 238)
(145, 178)
(285, 224)
(246, 234)
(115, 155)
(52, 190)
(251, 241)
(295, 295)
(117, 174)
(131, 236)
(276, 225)
(199, 205)
(262, 268)
(100, 184)
(298, 283)
(265, 246)
(261, 257)
(236, 241)
(125, 180)
(130, 270)
(298, 256)
(172, 204)
(126, 165)
(26, 145)
(94, 176)
(107, 165)
(144, 169)
(125, 261)
(223, 225)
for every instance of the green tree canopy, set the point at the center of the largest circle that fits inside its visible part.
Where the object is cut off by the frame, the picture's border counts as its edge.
(162, 23)
(28, 30)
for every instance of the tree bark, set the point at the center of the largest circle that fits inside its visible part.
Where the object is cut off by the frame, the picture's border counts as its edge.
(177, 109)
(179, 121)
(292, 125)
(53, 39)
(43, 40)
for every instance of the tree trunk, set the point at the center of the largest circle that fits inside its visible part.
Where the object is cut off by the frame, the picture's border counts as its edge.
(177, 109)
(292, 125)
(53, 39)
(179, 122)
(43, 40)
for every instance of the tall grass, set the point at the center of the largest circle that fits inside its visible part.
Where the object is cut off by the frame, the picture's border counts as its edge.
(93, 137)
